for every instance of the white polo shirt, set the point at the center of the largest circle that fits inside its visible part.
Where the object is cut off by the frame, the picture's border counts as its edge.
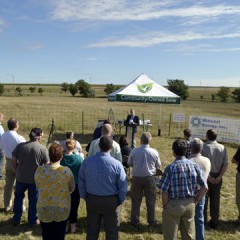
(9, 141)
(1, 133)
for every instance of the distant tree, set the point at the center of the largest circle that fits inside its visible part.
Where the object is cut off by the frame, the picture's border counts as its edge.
(40, 91)
(85, 89)
(32, 89)
(73, 89)
(201, 97)
(90, 94)
(110, 88)
(65, 87)
(213, 98)
(178, 87)
(236, 95)
(1, 89)
(223, 93)
(83, 86)
(19, 91)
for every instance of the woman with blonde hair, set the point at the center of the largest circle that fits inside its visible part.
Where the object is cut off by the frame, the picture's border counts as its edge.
(55, 183)
(73, 161)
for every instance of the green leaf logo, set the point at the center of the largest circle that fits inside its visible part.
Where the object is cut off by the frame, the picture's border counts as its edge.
(144, 88)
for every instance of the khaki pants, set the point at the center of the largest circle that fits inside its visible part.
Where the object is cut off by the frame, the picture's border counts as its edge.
(10, 181)
(179, 214)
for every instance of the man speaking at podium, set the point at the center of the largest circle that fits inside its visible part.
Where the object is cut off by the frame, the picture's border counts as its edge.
(131, 124)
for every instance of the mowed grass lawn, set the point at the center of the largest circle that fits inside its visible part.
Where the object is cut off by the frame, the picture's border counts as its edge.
(229, 228)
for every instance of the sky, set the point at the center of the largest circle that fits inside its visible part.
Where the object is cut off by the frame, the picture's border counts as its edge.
(114, 41)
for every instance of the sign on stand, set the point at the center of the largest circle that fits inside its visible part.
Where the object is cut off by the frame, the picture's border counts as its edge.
(228, 129)
(179, 118)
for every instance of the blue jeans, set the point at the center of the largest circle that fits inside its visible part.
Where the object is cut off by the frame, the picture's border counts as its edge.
(32, 201)
(1, 162)
(199, 219)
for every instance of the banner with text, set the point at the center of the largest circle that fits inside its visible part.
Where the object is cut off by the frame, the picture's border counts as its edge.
(228, 129)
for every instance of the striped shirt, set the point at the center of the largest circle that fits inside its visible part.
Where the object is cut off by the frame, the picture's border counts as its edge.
(181, 179)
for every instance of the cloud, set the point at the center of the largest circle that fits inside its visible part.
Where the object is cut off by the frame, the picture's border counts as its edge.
(90, 59)
(35, 47)
(138, 10)
(188, 49)
(2, 24)
(148, 39)
(23, 17)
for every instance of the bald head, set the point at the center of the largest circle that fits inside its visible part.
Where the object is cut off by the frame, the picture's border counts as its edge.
(146, 138)
(196, 146)
(107, 130)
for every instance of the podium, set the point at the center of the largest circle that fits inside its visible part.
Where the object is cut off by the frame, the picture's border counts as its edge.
(130, 134)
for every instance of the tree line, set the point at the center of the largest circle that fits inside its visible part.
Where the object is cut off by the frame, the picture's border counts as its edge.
(174, 85)
(85, 89)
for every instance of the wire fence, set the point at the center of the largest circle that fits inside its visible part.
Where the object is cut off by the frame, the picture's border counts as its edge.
(84, 122)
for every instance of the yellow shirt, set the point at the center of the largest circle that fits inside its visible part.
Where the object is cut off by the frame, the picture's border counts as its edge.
(55, 185)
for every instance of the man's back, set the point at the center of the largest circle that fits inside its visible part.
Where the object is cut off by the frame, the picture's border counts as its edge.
(217, 154)
(29, 155)
(101, 168)
(10, 140)
(204, 164)
(180, 179)
(103, 176)
(115, 152)
(144, 161)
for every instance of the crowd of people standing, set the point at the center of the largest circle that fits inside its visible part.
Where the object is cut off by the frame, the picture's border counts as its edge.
(56, 179)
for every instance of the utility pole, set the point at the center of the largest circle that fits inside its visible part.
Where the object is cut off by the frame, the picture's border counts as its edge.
(13, 83)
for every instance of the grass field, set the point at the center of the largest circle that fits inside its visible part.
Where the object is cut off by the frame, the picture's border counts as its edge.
(39, 110)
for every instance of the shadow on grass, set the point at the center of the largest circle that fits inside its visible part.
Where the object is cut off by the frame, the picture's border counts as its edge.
(126, 227)
(228, 226)
(9, 229)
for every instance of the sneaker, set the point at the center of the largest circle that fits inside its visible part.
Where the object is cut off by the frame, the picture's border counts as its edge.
(8, 209)
(24, 208)
(36, 223)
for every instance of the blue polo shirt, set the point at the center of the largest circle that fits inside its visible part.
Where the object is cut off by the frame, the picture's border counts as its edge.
(102, 175)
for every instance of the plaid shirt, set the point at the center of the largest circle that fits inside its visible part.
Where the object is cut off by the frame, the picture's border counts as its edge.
(181, 178)
(188, 152)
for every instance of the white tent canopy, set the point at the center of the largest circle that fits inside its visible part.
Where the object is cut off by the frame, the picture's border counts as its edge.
(144, 89)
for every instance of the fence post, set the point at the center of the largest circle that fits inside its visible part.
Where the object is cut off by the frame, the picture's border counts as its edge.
(143, 122)
(170, 121)
(82, 122)
(159, 130)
